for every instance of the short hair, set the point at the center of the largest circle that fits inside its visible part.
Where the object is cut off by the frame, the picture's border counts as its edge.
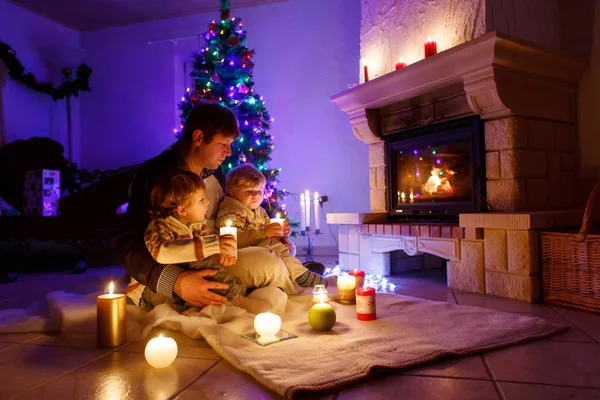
(244, 176)
(210, 118)
(174, 190)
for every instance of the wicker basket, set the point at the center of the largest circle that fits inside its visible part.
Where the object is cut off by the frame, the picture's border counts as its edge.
(571, 264)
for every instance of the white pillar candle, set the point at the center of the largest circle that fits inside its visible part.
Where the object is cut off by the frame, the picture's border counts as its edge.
(161, 351)
(229, 230)
(316, 202)
(302, 213)
(267, 325)
(307, 195)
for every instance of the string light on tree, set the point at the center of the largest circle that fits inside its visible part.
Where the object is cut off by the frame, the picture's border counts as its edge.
(223, 73)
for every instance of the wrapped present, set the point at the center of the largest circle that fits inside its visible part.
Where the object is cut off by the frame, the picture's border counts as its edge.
(41, 193)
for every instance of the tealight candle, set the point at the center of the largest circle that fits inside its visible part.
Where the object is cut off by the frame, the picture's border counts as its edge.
(365, 304)
(346, 284)
(110, 318)
(278, 220)
(161, 351)
(359, 276)
(229, 230)
(321, 316)
(400, 64)
(320, 294)
(267, 325)
(430, 47)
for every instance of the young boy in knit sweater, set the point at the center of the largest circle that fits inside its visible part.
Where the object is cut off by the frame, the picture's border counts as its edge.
(177, 234)
(245, 187)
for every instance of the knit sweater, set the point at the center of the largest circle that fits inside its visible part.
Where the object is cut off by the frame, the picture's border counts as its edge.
(170, 241)
(250, 223)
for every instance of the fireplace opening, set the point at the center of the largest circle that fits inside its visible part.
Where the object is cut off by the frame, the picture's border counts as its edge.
(436, 172)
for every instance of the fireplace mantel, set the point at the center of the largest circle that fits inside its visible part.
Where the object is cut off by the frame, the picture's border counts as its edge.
(496, 75)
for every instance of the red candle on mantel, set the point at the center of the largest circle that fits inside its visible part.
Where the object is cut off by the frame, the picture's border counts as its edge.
(365, 69)
(400, 64)
(366, 309)
(430, 47)
(359, 276)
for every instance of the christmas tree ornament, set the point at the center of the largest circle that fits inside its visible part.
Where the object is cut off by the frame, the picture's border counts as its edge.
(243, 88)
(215, 78)
(233, 40)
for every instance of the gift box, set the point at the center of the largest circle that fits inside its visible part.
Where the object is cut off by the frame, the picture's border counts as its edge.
(41, 193)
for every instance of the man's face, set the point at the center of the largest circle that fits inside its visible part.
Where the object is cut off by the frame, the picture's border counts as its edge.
(215, 152)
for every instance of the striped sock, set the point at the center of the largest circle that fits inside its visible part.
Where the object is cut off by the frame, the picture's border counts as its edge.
(310, 279)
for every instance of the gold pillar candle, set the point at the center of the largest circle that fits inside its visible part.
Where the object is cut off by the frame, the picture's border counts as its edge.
(346, 286)
(110, 317)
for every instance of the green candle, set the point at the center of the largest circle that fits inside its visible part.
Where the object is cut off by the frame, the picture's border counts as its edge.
(321, 317)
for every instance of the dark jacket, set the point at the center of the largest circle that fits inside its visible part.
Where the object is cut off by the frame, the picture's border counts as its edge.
(130, 246)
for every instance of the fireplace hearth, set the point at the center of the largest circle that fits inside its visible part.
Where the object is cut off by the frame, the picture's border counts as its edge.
(436, 172)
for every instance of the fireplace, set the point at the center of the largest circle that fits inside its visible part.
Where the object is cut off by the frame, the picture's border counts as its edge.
(436, 172)
(524, 99)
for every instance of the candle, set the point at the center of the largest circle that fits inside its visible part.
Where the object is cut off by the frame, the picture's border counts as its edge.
(430, 47)
(346, 284)
(316, 203)
(400, 64)
(302, 214)
(110, 318)
(365, 304)
(365, 70)
(307, 212)
(161, 351)
(359, 276)
(403, 197)
(277, 220)
(229, 230)
(321, 316)
(320, 294)
(411, 196)
(267, 325)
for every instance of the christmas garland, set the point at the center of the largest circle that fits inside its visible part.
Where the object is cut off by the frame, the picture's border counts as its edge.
(69, 86)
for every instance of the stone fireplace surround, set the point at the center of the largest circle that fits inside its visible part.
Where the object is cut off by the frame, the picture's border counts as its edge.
(526, 97)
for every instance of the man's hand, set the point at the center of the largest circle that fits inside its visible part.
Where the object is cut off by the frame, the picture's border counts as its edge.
(273, 230)
(228, 245)
(193, 288)
(286, 227)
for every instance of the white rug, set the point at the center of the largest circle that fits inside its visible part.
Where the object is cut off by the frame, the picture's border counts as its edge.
(408, 332)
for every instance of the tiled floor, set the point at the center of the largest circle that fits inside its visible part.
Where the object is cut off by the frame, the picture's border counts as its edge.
(36, 366)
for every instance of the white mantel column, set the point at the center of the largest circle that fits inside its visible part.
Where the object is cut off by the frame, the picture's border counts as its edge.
(3, 79)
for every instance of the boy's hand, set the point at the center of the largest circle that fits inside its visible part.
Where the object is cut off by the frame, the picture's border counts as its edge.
(273, 230)
(286, 227)
(228, 246)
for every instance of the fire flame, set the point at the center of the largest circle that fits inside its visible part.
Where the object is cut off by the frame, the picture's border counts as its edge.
(438, 181)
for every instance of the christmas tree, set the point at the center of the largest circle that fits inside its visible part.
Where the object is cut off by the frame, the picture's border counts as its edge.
(222, 73)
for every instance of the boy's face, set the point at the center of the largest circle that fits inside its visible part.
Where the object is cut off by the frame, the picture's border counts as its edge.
(196, 212)
(214, 153)
(251, 197)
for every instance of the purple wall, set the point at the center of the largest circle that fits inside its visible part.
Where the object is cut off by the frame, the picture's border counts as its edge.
(306, 50)
(44, 48)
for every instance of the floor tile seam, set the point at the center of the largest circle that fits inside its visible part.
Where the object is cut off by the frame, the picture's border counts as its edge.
(63, 375)
(575, 324)
(462, 378)
(548, 384)
(190, 383)
(488, 369)
(25, 342)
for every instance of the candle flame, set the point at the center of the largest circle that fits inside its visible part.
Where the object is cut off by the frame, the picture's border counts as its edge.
(161, 335)
(228, 223)
(277, 215)
(429, 39)
(411, 196)
(401, 60)
(302, 197)
(403, 196)
(111, 288)
(362, 60)
(316, 195)
(355, 270)
(322, 298)
(307, 194)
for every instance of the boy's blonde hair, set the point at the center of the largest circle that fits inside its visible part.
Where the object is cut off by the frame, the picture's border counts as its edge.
(174, 190)
(244, 176)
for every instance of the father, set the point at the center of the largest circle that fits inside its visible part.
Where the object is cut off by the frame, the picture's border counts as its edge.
(204, 144)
